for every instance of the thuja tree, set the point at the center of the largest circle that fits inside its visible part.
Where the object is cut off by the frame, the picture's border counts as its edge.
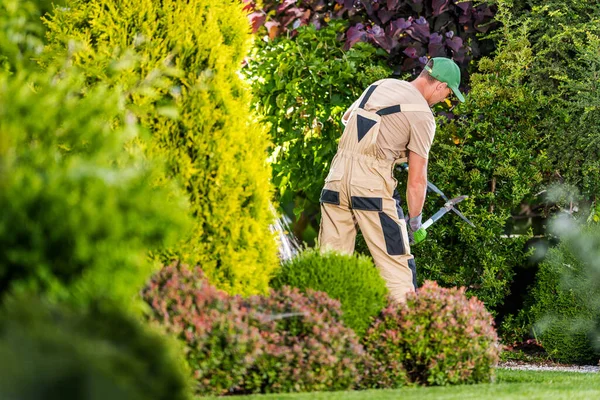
(409, 31)
(198, 114)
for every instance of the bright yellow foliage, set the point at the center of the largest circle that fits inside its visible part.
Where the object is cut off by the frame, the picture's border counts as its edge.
(179, 61)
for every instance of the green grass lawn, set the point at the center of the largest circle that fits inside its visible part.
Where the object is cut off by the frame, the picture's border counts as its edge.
(509, 385)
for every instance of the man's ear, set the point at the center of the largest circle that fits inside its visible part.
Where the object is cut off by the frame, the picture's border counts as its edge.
(442, 86)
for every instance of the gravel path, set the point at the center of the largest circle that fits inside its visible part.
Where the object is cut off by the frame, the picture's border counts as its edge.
(548, 367)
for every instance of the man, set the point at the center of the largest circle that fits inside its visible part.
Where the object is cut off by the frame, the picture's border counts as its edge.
(389, 124)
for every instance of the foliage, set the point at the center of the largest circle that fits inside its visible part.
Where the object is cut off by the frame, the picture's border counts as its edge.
(353, 280)
(179, 62)
(410, 31)
(566, 308)
(22, 32)
(79, 212)
(221, 346)
(304, 131)
(54, 352)
(565, 40)
(492, 150)
(259, 344)
(307, 348)
(437, 337)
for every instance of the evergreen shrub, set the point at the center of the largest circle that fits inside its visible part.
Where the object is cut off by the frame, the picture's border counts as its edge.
(80, 212)
(352, 280)
(221, 346)
(59, 353)
(492, 150)
(566, 311)
(436, 337)
(179, 63)
(307, 347)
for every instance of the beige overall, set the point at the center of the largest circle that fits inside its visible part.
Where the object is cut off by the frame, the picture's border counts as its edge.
(360, 189)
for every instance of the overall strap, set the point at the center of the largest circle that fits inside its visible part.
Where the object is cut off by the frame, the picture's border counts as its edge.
(404, 108)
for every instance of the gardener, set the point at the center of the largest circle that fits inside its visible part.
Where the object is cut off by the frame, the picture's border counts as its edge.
(390, 123)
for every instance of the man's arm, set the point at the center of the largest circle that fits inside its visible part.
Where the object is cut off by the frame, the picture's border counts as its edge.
(417, 183)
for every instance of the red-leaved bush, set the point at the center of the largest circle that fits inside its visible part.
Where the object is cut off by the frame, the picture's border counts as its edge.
(437, 337)
(307, 348)
(221, 346)
(286, 342)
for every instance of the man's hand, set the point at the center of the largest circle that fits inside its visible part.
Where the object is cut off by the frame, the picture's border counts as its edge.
(416, 234)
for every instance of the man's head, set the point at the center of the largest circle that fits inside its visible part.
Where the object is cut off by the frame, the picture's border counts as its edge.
(439, 78)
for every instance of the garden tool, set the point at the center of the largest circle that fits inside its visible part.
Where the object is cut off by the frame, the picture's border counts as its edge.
(420, 234)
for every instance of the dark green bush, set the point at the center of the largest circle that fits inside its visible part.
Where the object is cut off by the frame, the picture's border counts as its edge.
(437, 337)
(79, 211)
(492, 150)
(307, 348)
(179, 63)
(221, 346)
(302, 87)
(49, 352)
(566, 309)
(353, 280)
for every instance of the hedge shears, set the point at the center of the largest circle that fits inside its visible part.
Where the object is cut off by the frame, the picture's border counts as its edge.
(420, 234)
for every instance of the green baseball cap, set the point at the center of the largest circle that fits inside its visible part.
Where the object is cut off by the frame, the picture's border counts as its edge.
(446, 70)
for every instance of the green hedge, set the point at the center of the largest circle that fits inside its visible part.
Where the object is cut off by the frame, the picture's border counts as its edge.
(353, 280)
(49, 352)
(79, 212)
(566, 309)
(178, 61)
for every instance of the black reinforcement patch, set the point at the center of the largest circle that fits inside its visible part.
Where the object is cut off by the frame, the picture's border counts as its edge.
(392, 235)
(398, 200)
(413, 268)
(330, 196)
(363, 126)
(367, 203)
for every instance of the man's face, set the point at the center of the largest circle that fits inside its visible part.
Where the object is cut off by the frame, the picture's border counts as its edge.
(441, 93)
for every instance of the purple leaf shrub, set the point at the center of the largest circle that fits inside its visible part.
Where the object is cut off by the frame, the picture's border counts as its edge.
(410, 31)
(437, 337)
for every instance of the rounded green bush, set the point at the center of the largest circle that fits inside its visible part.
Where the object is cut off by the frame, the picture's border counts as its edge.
(353, 280)
(436, 337)
(55, 352)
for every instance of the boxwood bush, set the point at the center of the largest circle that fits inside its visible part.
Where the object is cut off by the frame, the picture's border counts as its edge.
(437, 337)
(353, 280)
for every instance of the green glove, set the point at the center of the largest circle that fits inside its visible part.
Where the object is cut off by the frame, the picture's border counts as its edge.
(419, 235)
